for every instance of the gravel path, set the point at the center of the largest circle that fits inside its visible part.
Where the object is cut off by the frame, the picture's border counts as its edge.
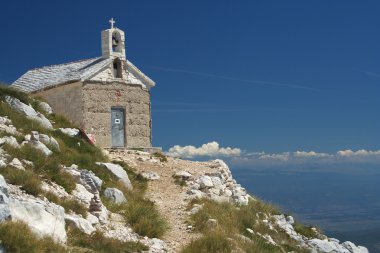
(169, 197)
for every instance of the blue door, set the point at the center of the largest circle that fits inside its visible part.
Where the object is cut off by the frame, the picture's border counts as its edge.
(117, 124)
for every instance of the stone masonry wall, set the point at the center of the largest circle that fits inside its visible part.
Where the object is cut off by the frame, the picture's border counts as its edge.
(66, 100)
(98, 98)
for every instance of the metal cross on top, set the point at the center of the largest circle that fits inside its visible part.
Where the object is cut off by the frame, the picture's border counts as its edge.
(112, 22)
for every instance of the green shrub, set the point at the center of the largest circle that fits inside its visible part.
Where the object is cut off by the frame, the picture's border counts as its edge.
(28, 181)
(179, 181)
(16, 237)
(210, 243)
(160, 156)
(97, 242)
(305, 230)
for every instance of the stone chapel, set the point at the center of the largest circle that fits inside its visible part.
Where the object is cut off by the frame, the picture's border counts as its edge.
(107, 96)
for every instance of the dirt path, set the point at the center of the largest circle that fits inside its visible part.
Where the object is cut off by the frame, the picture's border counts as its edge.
(169, 197)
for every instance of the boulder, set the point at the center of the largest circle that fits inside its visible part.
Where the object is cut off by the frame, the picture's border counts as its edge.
(150, 175)
(70, 131)
(353, 248)
(217, 182)
(184, 175)
(90, 181)
(5, 212)
(40, 146)
(10, 140)
(4, 188)
(45, 139)
(205, 182)
(82, 224)
(326, 246)
(119, 172)
(115, 195)
(7, 127)
(82, 194)
(16, 163)
(28, 111)
(45, 107)
(45, 219)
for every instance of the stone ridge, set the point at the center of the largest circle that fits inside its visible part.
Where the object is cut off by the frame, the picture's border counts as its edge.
(212, 180)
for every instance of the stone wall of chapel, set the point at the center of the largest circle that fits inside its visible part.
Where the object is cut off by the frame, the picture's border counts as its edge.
(99, 98)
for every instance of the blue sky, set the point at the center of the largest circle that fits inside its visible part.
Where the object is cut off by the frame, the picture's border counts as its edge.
(272, 76)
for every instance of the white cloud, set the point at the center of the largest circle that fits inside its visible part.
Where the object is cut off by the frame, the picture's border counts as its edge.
(307, 159)
(211, 149)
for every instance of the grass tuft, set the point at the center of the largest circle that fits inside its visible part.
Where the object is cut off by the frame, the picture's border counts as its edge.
(69, 204)
(233, 220)
(28, 181)
(18, 238)
(305, 230)
(97, 242)
(160, 156)
(211, 243)
(5, 90)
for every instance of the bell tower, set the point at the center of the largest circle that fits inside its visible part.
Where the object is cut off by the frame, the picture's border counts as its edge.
(113, 42)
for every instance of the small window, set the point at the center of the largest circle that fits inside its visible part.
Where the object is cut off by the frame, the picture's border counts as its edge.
(117, 68)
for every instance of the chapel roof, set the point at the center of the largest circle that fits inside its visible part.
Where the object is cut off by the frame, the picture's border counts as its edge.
(54, 75)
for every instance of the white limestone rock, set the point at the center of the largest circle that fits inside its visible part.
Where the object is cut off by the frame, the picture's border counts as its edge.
(45, 139)
(353, 248)
(205, 182)
(7, 127)
(155, 245)
(184, 175)
(92, 219)
(90, 181)
(40, 146)
(82, 194)
(217, 182)
(4, 188)
(150, 175)
(326, 246)
(16, 163)
(82, 224)
(70, 131)
(5, 213)
(28, 111)
(115, 195)
(45, 219)
(45, 107)
(119, 172)
(10, 140)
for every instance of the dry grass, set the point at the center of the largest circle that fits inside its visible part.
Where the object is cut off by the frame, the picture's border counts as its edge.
(233, 220)
(28, 180)
(69, 204)
(98, 243)
(140, 213)
(16, 237)
(211, 243)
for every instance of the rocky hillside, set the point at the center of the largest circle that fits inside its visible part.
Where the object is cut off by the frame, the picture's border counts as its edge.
(58, 193)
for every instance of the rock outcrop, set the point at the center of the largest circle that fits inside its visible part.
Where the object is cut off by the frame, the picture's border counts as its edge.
(28, 111)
